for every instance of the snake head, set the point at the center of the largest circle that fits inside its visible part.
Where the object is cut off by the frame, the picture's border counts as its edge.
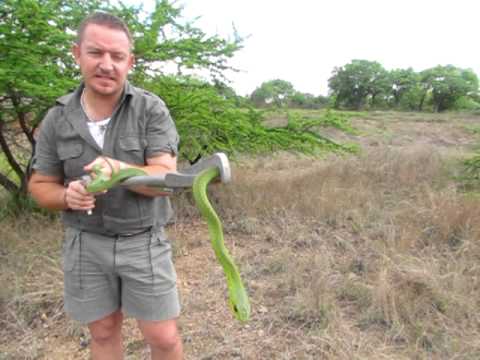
(241, 309)
(100, 180)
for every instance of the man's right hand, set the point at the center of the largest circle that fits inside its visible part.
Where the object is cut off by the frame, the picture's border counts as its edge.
(78, 198)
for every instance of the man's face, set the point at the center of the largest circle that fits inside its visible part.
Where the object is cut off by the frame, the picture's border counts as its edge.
(104, 57)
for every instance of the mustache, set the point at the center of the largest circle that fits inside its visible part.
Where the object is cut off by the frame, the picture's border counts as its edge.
(102, 71)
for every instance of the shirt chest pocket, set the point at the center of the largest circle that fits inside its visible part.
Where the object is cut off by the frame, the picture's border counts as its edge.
(133, 149)
(70, 153)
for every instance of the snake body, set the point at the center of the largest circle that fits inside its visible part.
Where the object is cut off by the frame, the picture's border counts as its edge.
(238, 298)
(103, 182)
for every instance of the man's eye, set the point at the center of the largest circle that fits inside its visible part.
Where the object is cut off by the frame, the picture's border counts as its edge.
(118, 57)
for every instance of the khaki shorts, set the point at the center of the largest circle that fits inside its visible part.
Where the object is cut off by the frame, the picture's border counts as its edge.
(105, 273)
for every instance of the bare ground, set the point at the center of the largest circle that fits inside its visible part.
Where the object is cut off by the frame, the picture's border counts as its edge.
(364, 257)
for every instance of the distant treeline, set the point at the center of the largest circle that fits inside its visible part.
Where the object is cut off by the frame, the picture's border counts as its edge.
(364, 85)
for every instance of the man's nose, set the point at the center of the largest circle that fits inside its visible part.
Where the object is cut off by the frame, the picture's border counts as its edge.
(106, 63)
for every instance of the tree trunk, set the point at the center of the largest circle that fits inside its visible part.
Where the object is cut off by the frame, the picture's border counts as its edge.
(8, 153)
(422, 100)
(8, 184)
(21, 118)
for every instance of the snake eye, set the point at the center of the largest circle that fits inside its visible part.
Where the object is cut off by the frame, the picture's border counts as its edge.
(235, 309)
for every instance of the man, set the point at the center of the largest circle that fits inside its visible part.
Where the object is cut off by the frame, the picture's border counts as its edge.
(116, 257)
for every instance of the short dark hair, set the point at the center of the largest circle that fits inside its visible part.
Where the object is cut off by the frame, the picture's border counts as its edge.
(104, 19)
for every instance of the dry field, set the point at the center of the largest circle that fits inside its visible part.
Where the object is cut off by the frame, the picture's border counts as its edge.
(371, 256)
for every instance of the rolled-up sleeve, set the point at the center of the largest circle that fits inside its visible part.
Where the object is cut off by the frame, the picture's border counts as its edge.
(45, 159)
(162, 135)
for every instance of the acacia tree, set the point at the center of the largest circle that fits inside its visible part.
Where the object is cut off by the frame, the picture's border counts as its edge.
(36, 66)
(34, 69)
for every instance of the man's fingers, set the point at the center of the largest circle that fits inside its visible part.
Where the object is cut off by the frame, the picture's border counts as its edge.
(77, 197)
(77, 204)
(107, 165)
(79, 188)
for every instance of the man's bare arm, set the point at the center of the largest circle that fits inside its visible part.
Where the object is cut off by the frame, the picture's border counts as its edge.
(49, 192)
(159, 164)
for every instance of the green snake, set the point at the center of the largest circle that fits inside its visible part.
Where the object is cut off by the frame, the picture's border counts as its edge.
(238, 297)
(103, 182)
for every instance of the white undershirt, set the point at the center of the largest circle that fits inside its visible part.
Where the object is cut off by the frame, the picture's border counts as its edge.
(97, 129)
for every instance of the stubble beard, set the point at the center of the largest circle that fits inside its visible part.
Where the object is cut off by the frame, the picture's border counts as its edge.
(106, 92)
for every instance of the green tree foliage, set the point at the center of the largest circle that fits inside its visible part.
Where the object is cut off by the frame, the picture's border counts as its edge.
(447, 84)
(365, 84)
(358, 84)
(208, 121)
(280, 93)
(36, 67)
(307, 101)
(273, 92)
(466, 103)
(404, 84)
(162, 39)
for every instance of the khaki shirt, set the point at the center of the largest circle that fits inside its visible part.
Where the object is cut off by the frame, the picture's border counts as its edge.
(140, 128)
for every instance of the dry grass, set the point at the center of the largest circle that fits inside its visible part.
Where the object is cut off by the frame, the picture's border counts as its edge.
(381, 246)
(31, 285)
(368, 257)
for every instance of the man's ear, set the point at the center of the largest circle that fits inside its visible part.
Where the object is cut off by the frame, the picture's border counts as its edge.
(76, 53)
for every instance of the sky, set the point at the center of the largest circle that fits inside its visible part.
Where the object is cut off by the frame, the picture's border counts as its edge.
(303, 41)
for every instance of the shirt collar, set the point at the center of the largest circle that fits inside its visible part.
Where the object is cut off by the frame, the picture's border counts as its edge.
(72, 100)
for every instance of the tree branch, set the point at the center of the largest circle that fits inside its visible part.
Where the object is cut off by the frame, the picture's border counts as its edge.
(8, 184)
(21, 117)
(8, 154)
